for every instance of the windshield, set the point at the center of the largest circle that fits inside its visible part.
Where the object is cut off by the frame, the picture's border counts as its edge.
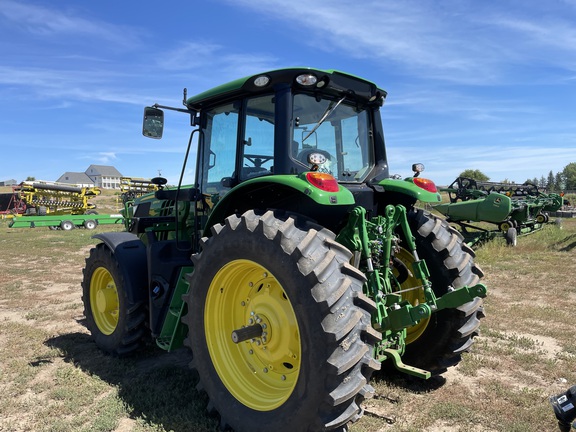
(335, 130)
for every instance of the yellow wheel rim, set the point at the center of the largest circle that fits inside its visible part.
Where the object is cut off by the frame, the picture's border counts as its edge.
(415, 297)
(104, 301)
(261, 372)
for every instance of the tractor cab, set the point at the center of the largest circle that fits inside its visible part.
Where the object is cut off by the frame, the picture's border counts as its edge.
(285, 122)
(274, 135)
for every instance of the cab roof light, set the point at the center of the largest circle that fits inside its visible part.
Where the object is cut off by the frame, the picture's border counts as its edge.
(261, 81)
(306, 79)
(323, 82)
(322, 181)
(425, 184)
(375, 96)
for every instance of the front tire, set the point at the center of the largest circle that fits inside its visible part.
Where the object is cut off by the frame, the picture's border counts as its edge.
(116, 323)
(308, 369)
(438, 343)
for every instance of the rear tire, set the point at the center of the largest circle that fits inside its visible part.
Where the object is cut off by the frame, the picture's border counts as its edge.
(449, 332)
(310, 371)
(117, 325)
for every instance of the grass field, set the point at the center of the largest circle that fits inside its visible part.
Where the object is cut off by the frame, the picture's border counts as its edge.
(53, 378)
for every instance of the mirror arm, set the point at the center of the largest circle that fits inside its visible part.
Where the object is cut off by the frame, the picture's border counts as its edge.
(174, 109)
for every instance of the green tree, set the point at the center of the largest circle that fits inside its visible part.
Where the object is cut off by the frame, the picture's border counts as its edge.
(569, 175)
(550, 183)
(542, 182)
(474, 174)
(559, 182)
(30, 178)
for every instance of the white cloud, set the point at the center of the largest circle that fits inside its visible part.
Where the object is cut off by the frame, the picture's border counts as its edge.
(179, 58)
(457, 103)
(460, 42)
(545, 32)
(99, 158)
(79, 85)
(406, 33)
(45, 22)
(208, 59)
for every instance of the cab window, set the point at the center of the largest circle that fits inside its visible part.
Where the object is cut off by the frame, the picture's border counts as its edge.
(334, 131)
(258, 143)
(219, 158)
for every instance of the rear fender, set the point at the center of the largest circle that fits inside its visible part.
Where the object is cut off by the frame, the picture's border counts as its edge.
(286, 192)
(130, 254)
(412, 187)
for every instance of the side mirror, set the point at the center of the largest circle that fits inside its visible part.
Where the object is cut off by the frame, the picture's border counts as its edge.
(153, 123)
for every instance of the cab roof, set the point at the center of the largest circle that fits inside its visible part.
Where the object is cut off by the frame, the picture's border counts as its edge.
(333, 81)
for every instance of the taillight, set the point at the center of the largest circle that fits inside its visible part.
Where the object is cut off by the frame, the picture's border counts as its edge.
(425, 184)
(322, 181)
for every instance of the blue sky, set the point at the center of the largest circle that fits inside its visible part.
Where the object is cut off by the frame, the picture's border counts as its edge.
(487, 85)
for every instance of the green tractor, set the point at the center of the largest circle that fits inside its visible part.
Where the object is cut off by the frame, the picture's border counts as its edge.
(295, 265)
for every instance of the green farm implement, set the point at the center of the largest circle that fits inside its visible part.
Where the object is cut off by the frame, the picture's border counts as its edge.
(59, 206)
(515, 209)
(65, 222)
(294, 265)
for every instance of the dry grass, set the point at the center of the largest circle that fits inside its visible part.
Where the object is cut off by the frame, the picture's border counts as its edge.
(52, 377)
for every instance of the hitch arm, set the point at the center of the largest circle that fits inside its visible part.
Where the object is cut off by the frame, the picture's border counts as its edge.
(457, 297)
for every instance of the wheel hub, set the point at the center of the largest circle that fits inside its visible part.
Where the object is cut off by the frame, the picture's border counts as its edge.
(106, 300)
(264, 323)
(260, 368)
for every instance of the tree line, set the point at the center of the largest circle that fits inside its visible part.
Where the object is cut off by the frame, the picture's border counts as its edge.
(564, 180)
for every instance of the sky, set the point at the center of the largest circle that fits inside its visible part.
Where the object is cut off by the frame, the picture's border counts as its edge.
(488, 85)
